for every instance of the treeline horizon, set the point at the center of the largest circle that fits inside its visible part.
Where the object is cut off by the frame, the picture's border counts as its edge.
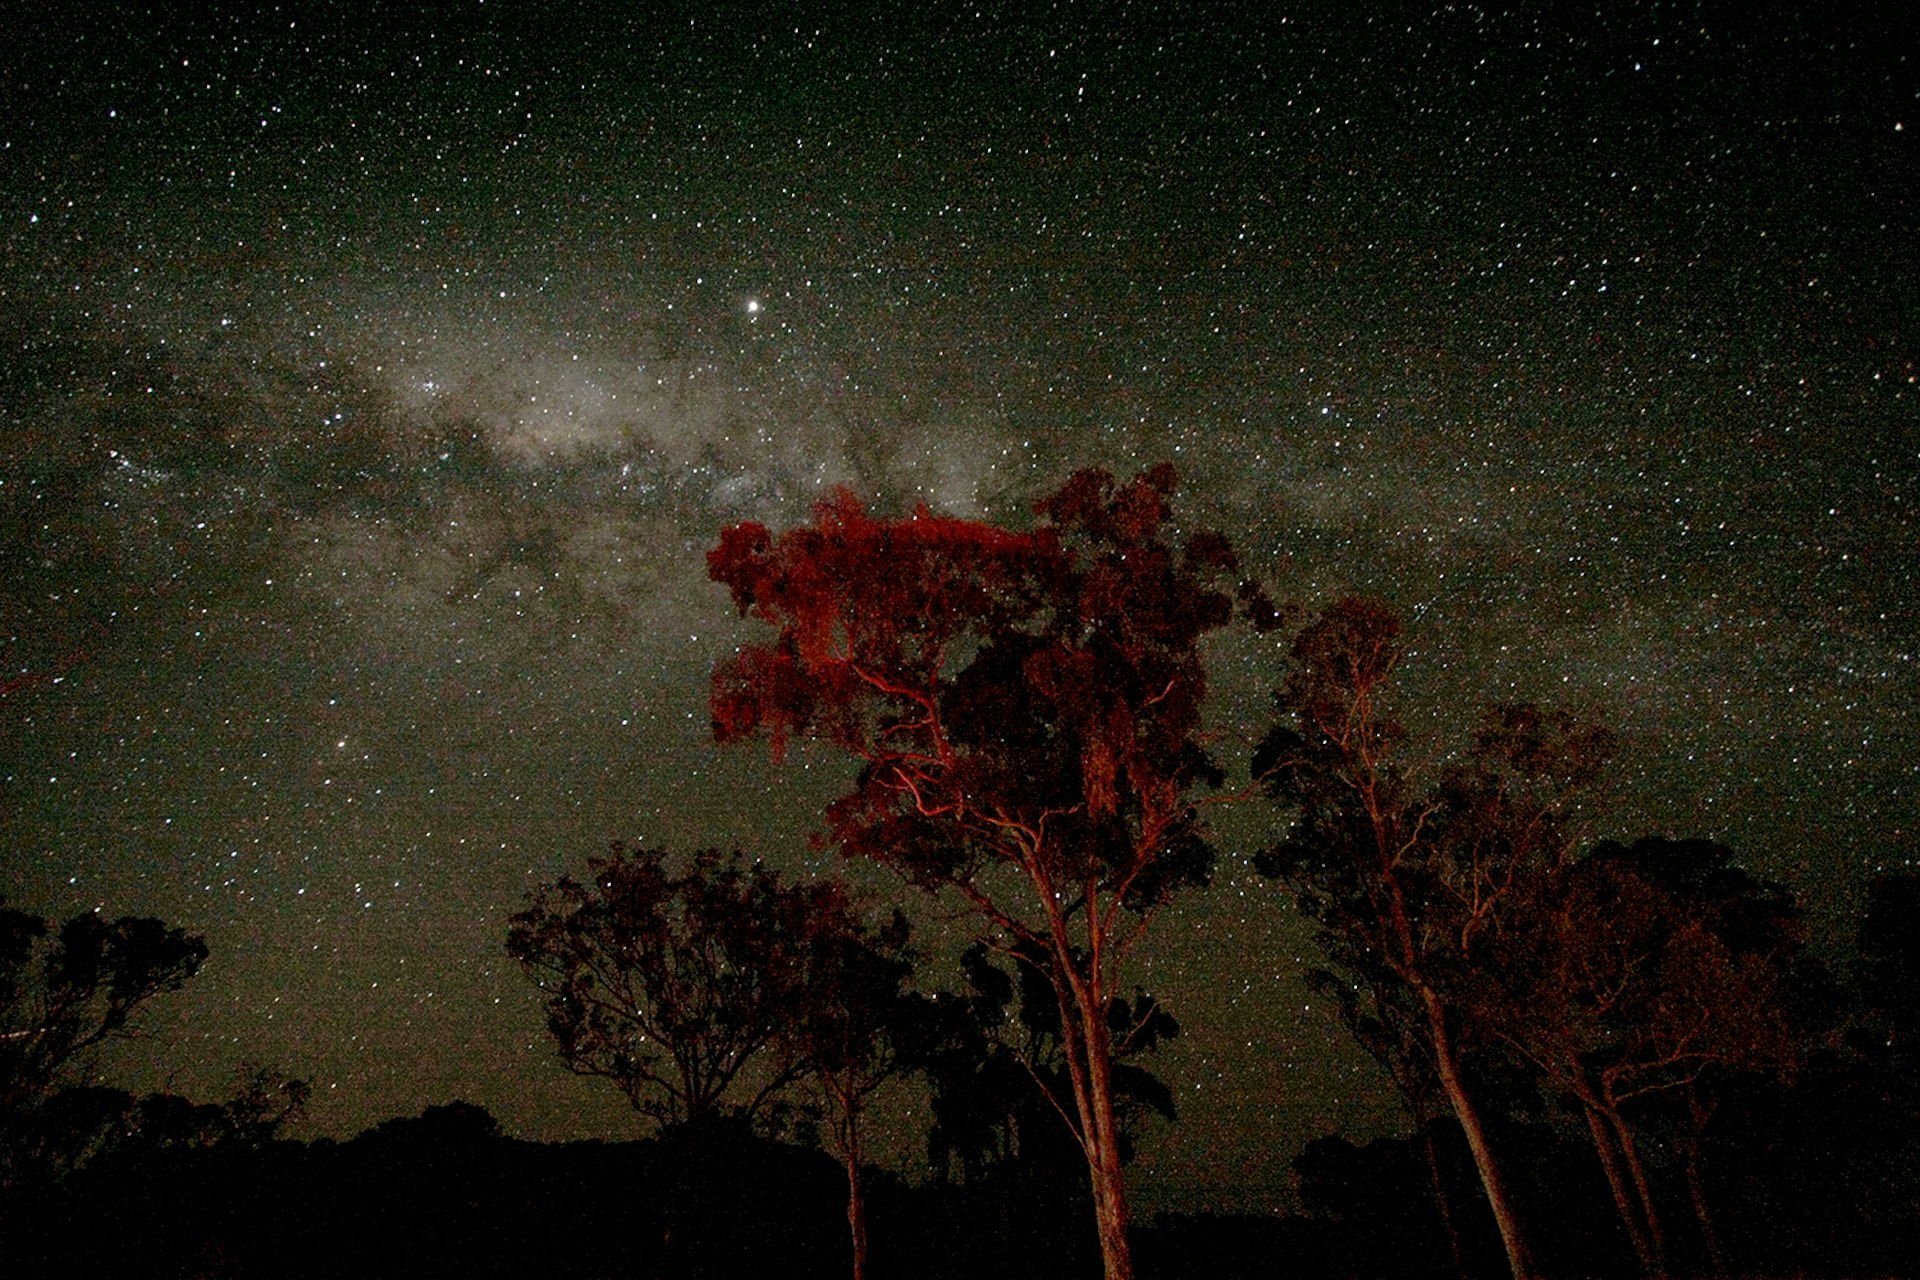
(1816, 1176)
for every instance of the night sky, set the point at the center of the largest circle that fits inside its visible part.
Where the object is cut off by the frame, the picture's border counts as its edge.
(372, 385)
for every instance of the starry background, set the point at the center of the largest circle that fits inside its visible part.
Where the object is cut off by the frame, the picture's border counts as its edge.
(372, 382)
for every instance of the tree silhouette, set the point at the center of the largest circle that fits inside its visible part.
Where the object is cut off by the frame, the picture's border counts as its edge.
(63, 995)
(1408, 883)
(996, 1068)
(854, 1029)
(1630, 974)
(81, 1126)
(1887, 975)
(676, 985)
(1385, 1021)
(1026, 706)
(672, 983)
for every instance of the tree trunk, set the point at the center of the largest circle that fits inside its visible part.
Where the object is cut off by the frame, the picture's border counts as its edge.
(1623, 1197)
(1083, 1022)
(1440, 1200)
(1454, 1088)
(1656, 1237)
(1697, 1115)
(1697, 1192)
(1109, 1180)
(856, 1203)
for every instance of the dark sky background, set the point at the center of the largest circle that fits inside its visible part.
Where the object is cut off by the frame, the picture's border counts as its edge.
(373, 380)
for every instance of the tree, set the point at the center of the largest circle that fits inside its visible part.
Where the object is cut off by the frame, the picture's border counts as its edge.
(1886, 978)
(854, 1031)
(672, 983)
(82, 1126)
(1386, 1022)
(64, 995)
(1631, 974)
(1407, 882)
(1026, 708)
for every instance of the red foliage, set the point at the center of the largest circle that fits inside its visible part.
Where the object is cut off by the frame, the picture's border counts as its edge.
(1035, 695)
(1026, 700)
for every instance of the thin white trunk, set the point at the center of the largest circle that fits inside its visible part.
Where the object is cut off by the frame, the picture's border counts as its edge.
(1454, 1088)
(1623, 1197)
(1083, 1024)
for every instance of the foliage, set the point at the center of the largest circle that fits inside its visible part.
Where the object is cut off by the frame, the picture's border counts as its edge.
(1408, 878)
(1887, 977)
(672, 983)
(63, 995)
(1027, 708)
(1622, 976)
(855, 1018)
(853, 1029)
(1407, 882)
(1029, 699)
(1640, 973)
(85, 1125)
(995, 1066)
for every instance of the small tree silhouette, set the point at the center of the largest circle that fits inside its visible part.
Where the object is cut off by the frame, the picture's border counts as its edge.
(62, 996)
(671, 983)
(854, 1030)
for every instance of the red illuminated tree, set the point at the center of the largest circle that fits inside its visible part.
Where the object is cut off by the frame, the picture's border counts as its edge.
(1410, 879)
(1027, 707)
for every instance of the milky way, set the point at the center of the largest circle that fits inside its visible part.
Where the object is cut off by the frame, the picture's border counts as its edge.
(372, 386)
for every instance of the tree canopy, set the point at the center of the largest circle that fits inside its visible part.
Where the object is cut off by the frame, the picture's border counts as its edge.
(673, 981)
(1027, 707)
(1407, 876)
(63, 994)
(1628, 975)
